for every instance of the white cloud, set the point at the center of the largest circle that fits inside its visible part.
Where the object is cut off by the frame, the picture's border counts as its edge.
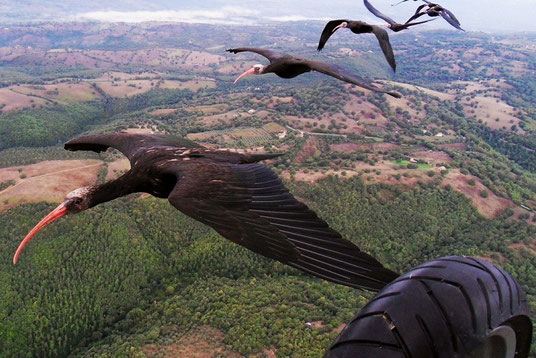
(296, 18)
(225, 15)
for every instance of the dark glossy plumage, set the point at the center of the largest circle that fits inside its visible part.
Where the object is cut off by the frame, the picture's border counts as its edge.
(393, 25)
(434, 10)
(241, 199)
(360, 27)
(287, 66)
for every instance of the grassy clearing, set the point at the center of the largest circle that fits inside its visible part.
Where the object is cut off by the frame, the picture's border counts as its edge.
(46, 181)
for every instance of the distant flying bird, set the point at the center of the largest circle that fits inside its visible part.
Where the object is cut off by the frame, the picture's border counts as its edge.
(393, 25)
(434, 10)
(360, 27)
(287, 66)
(244, 201)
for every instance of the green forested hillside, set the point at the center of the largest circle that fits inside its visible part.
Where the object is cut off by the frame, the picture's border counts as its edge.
(46, 126)
(135, 271)
(53, 125)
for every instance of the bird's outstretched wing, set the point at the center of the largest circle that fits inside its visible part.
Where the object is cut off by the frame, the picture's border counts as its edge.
(419, 8)
(400, 2)
(248, 204)
(126, 143)
(408, 24)
(328, 31)
(377, 13)
(269, 54)
(385, 44)
(343, 75)
(418, 13)
(451, 19)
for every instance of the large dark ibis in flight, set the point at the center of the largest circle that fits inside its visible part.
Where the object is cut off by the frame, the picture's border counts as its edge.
(392, 24)
(287, 66)
(243, 200)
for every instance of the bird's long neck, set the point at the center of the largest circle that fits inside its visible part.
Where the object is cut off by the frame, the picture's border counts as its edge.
(124, 185)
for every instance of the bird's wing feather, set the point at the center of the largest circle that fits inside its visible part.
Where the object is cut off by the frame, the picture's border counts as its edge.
(248, 204)
(269, 54)
(377, 13)
(398, 3)
(451, 19)
(419, 22)
(415, 17)
(343, 75)
(385, 44)
(419, 8)
(126, 143)
(327, 32)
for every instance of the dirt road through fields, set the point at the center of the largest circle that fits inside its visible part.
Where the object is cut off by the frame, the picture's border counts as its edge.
(45, 175)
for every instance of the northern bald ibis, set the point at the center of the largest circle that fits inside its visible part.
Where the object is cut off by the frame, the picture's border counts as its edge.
(360, 27)
(241, 199)
(393, 25)
(286, 66)
(435, 10)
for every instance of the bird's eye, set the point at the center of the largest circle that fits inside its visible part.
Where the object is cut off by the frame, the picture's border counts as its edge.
(77, 201)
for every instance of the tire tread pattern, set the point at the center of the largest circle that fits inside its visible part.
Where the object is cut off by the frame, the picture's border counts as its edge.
(443, 308)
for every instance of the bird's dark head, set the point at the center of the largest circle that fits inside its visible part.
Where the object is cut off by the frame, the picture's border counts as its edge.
(255, 70)
(76, 201)
(343, 25)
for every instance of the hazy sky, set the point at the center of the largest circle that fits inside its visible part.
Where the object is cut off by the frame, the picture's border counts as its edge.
(487, 15)
(505, 15)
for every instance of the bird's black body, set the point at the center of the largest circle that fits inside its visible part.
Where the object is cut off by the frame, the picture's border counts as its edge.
(240, 198)
(360, 27)
(393, 25)
(286, 66)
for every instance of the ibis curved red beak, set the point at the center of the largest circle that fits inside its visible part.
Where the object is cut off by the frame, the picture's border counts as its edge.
(54, 215)
(248, 72)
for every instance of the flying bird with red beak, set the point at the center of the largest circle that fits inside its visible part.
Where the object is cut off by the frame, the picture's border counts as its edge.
(243, 200)
(286, 66)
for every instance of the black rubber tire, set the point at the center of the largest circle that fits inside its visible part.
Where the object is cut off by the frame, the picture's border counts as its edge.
(444, 308)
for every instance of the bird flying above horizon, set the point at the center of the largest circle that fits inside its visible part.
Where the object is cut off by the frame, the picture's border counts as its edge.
(360, 27)
(287, 66)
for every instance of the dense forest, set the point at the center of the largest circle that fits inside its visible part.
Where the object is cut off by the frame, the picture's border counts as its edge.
(159, 274)
(50, 126)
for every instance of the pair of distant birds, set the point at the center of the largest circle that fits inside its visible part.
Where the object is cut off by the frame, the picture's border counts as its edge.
(360, 27)
(287, 66)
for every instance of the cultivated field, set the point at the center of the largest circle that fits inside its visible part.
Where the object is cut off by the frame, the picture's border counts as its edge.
(204, 342)
(495, 113)
(11, 100)
(111, 83)
(490, 206)
(46, 181)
